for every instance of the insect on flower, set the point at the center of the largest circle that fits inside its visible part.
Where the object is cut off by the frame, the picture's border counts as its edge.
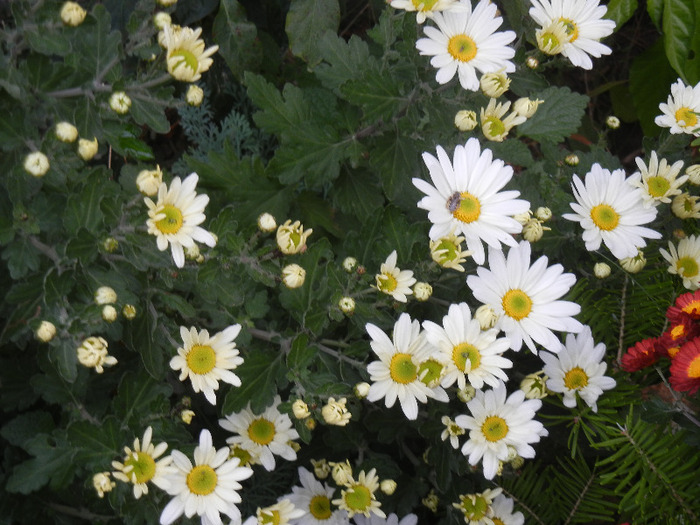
(453, 202)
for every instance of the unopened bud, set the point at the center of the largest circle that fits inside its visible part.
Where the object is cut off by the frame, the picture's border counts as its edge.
(36, 164)
(66, 132)
(46, 331)
(601, 270)
(526, 107)
(162, 19)
(543, 213)
(109, 313)
(293, 276)
(110, 244)
(129, 311)
(693, 173)
(120, 102)
(267, 223)
(72, 14)
(466, 120)
(634, 264)
(466, 394)
(612, 122)
(387, 486)
(349, 264)
(534, 385)
(422, 291)
(346, 305)
(486, 316)
(186, 416)
(300, 409)
(532, 62)
(571, 159)
(105, 295)
(87, 149)
(361, 390)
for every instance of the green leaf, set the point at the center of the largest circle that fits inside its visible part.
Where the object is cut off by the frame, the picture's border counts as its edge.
(98, 50)
(512, 151)
(125, 140)
(83, 207)
(557, 117)
(258, 374)
(358, 193)
(53, 462)
(307, 21)
(21, 429)
(96, 445)
(396, 158)
(655, 9)
(678, 28)
(620, 11)
(141, 338)
(344, 60)
(301, 355)
(149, 111)
(64, 356)
(84, 246)
(377, 92)
(237, 38)
(22, 257)
(136, 392)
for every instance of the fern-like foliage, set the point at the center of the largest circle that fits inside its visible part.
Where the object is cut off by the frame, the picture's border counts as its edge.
(653, 471)
(527, 489)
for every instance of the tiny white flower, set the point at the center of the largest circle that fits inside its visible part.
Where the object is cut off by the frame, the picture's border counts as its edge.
(680, 112)
(659, 181)
(394, 281)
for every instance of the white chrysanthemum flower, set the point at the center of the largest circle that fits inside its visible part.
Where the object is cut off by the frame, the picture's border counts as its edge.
(262, 434)
(611, 211)
(208, 488)
(583, 24)
(472, 354)
(394, 281)
(680, 112)
(140, 466)
(502, 508)
(208, 360)
(476, 508)
(358, 497)
(685, 261)
(93, 353)
(315, 498)
(465, 42)
(578, 367)
(186, 57)
(423, 8)
(659, 181)
(448, 253)
(396, 374)
(497, 423)
(281, 513)
(452, 431)
(525, 297)
(176, 217)
(391, 519)
(466, 198)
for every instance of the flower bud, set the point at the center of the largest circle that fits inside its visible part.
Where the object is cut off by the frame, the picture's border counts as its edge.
(103, 483)
(347, 305)
(110, 244)
(46, 331)
(105, 295)
(291, 237)
(300, 409)
(361, 390)
(109, 313)
(534, 385)
(349, 264)
(494, 84)
(195, 96)
(685, 206)
(543, 213)
(335, 413)
(523, 218)
(634, 264)
(162, 19)
(466, 120)
(486, 316)
(36, 164)
(532, 62)
(526, 107)
(321, 468)
(518, 462)
(431, 501)
(148, 181)
(341, 472)
(422, 291)
(533, 230)
(387, 486)
(129, 311)
(120, 102)
(66, 132)
(571, 159)
(601, 270)
(87, 149)
(293, 276)
(72, 14)
(693, 173)
(186, 416)
(310, 423)
(466, 394)
(679, 234)
(267, 223)
(92, 353)
(192, 252)
(612, 122)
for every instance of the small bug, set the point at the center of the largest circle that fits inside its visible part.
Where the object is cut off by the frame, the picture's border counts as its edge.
(454, 201)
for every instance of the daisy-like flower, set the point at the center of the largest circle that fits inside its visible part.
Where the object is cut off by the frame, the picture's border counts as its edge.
(611, 211)
(682, 330)
(688, 303)
(176, 217)
(391, 519)
(686, 206)
(503, 514)
(680, 112)
(465, 42)
(262, 434)
(685, 261)
(208, 360)
(472, 354)
(208, 488)
(496, 423)
(659, 181)
(448, 253)
(358, 497)
(466, 199)
(583, 25)
(186, 57)
(314, 498)
(643, 354)
(423, 8)
(493, 125)
(281, 513)
(140, 466)
(578, 368)
(394, 281)
(396, 374)
(476, 508)
(291, 237)
(685, 368)
(525, 297)
(452, 431)
(93, 353)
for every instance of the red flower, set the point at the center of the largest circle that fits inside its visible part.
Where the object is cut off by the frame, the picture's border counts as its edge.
(641, 355)
(688, 303)
(685, 368)
(684, 329)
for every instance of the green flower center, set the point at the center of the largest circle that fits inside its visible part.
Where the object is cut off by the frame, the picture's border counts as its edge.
(575, 379)
(271, 516)
(658, 186)
(494, 428)
(386, 283)
(186, 58)
(424, 5)
(201, 359)
(320, 507)
(402, 369)
(494, 127)
(476, 509)
(605, 217)
(462, 48)
(469, 208)
(430, 372)
(517, 304)
(686, 115)
(464, 352)
(687, 266)
(451, 250)
(261, 431)
(358, 498)
(172, 222)
(549, 43)
(143, 467)
(202, 480)
(570, 28)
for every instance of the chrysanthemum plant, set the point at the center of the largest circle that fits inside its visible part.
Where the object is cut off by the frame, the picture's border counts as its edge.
(283, 262)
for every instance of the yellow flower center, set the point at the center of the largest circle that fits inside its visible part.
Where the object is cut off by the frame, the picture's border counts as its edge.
(687, 266)
(450, 253)
(575, 379)
(402, 369)
(694, 368)
(469, 208)
(605, 217)
(462, 48)
(242, 454)
(261, 431)
(658, 186)
(476, 509)
(202, 480)
(386, 283)
(271, 516)
(494, 127)
(186, 58)
(320, 507)
(429, 372)
(424, 5)
(143, 467)
(570, 28)
(686, 115)
(494, 428)
(201, 359)
(172, 222)
(358, 498)
(517, 304)
(692, 308)
(464, 352)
